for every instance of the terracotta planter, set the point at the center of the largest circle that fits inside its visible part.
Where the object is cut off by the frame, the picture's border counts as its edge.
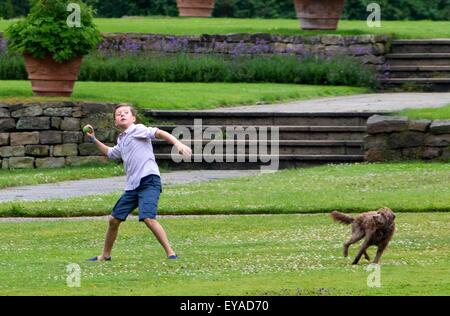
(49, 78)
(195, 7)
(319, 14)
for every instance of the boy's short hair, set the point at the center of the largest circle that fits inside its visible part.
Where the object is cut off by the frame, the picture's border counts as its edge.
(132, 109)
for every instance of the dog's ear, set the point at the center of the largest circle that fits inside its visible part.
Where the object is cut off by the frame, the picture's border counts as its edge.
(379, 219)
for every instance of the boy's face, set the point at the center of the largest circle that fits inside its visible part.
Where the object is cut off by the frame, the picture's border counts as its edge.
(124, 117)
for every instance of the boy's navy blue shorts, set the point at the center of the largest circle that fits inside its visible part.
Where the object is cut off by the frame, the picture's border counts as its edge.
(145, 196)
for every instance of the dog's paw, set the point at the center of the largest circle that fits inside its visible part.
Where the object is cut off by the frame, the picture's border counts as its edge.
(345, 252)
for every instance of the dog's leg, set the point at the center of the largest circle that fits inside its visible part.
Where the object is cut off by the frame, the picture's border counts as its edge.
(380, 251)
(356, 236)
(363, 248)
(366, 255)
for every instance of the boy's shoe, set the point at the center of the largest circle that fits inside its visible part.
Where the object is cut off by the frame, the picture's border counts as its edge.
(96, 259)
(173, 257)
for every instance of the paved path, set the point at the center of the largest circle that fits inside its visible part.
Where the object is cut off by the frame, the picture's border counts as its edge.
(68, 189)
(386, 102)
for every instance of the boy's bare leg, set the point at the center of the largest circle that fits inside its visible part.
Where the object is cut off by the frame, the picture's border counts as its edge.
(160, 234)
(110, 238)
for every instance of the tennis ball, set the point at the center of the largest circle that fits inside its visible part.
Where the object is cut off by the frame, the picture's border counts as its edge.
(87, 129)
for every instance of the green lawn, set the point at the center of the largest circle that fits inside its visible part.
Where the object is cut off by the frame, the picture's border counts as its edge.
(19, 177)
(187, 96)
(404, 187)
(196, 26)
(224, 255)
(427, 113)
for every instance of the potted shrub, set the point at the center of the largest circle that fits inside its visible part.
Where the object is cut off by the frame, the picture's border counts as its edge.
(195, 7)
(53, 47)
(319, 14)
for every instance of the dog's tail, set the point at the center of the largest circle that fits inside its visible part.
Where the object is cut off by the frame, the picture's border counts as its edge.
(340, 217)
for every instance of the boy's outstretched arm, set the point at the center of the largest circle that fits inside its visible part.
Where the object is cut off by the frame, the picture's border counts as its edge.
(102, 147)
(181, 148)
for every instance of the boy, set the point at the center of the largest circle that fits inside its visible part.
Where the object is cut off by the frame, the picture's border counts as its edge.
(143, 185)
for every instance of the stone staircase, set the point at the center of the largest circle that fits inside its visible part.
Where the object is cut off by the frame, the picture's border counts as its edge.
(301, 139)
(419, 64)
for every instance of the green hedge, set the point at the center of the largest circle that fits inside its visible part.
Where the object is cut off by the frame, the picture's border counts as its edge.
(354, 9)
(184, 68)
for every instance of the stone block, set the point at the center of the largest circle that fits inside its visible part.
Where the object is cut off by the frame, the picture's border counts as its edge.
(419, 125)
(431, 152)
(70, 124)
(33, 123)
(411, 153)
(56, 122)
(7, 124)
(280, 48)
(361, 50)
(65, 150)
(4, 112)
(440, 127)
(21, 163)
(440, 140)
(379, 49)
(72, 137)
(27, 111)
(37, 150)
(332, 40)
(5, 163)
(386, 124)
(98, 108)
(363, 39)
(25, 138)
(50, 137)
(4, 139)
(77, 114)
(406, 139)
(375, 154)
(376, 141)
(446, 154)
(12, 151)
(59, 111)
(101, 121)
(50, 162)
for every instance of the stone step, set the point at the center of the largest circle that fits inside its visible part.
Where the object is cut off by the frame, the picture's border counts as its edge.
(285, 147)
(284, 161)
(419, 59)
(295, 132)
(421, 46)
(419, 72)
(259, 118)
(424, 84)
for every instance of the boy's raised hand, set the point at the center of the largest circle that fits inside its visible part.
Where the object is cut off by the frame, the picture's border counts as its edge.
(89, 131)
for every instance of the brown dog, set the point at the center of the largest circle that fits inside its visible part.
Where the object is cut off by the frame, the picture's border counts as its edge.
(377, 228)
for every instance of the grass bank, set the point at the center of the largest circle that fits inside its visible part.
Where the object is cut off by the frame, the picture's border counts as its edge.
(197, 26)
(404, 187)
(180, 96)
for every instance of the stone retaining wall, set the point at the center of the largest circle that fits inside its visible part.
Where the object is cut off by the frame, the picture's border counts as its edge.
(49, 135)
(371, 49)
(398, 138)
